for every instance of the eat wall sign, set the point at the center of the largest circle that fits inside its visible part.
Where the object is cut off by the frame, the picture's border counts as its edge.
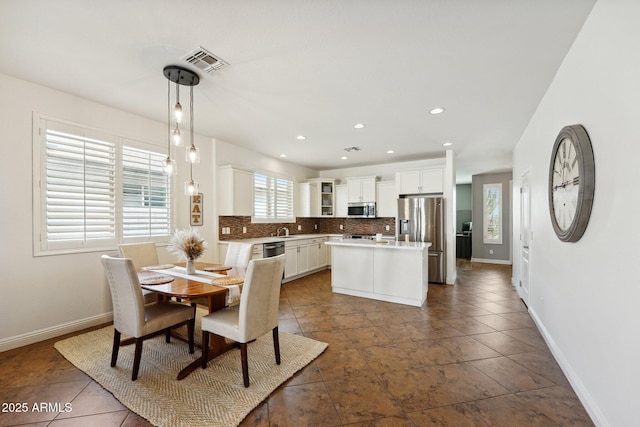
(196, 209)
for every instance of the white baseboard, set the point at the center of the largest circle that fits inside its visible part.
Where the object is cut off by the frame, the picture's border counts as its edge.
(581, 391)
(306, 273)
(54, 331)
(492, 261)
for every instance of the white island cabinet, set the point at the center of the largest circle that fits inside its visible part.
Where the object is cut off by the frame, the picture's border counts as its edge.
(388, 271)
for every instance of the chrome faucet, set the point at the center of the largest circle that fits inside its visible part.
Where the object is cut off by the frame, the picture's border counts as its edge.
(285, 229)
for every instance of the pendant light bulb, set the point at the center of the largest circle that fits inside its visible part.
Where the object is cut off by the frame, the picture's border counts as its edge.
(177, 112)
(193, 154)
(169, 166)
(191, 187)
(176, 136)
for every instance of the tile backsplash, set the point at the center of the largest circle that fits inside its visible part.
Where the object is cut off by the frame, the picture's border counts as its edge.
(306, 225)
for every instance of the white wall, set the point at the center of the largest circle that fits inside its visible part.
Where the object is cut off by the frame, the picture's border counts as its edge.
(386, 172)
(242, 158)
(585, 295)
(51, 295)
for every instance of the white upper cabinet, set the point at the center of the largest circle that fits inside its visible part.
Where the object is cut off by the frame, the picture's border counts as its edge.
(387, 196)
(420, 181)
(327, 197)
(361, 189)
(341, 200)
(316, 198)
(307, 199)
(235, 192)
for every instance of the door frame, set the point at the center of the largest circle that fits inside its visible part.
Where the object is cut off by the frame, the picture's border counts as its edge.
(524, 246)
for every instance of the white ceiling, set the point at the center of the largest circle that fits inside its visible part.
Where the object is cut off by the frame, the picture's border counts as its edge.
(313, 68)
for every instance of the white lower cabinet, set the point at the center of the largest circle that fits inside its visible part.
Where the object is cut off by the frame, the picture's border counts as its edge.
(303, 257)
(345, 276)
(330, 250)
(385, 279)
(393, 274)
(291, 259)
(306, 255)
(312, 255)
(323, 250)
(223, 247)
(257, 252)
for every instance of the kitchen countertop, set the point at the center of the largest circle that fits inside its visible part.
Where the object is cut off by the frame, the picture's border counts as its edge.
(260, 240)
(385, 244)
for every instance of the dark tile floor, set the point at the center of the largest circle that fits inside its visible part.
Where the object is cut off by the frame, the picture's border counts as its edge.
(471, 356)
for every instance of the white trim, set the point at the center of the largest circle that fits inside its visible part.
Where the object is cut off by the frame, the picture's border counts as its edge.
(582, 392)
(40, 124)
(54, 331)
(306, 273)
(491, 261)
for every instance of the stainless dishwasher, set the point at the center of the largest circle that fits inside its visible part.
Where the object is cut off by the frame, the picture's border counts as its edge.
(272, 249)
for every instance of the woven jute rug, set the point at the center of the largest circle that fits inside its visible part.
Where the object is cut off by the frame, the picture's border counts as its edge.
(215, 396)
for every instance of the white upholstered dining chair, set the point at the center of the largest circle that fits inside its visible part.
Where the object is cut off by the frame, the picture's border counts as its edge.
(135, 319)
(141, 255)
(256, 315)
(238, 257)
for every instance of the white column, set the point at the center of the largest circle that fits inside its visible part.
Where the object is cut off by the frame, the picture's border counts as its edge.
(450, 216)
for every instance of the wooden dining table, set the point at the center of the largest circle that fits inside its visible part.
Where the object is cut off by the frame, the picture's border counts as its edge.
(186, 289)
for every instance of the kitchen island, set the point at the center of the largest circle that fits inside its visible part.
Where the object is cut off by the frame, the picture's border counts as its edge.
(382, 270)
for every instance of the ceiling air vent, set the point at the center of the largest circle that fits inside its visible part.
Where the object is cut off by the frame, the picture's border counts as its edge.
(205, 60)
(350, 149)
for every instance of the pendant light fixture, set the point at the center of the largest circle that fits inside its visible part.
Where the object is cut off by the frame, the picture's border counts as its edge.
(181, 77)
(169, 165)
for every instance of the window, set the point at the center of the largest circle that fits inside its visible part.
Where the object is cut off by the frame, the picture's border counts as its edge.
(146, 195)
(81, 201)
(272, 198)
(492, 221)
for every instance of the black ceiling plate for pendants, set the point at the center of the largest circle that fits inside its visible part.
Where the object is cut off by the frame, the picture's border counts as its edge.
(181, 75)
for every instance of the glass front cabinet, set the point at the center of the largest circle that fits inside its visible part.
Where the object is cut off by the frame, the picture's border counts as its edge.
(317, 198)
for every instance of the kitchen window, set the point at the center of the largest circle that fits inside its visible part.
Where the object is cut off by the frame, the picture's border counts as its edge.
(93, 190)
(492, 217)
(272, 198)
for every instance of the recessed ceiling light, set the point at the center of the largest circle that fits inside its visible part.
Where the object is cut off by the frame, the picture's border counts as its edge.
(343, 158)
(390, 151)
(358, 125)
(283, 156)
(301, 137)
(436, 110)
(447, 144)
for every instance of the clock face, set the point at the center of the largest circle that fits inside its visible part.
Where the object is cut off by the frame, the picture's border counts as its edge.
(565, 184)
(571, 183)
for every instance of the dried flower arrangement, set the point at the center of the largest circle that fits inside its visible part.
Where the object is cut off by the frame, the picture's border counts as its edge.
(187, 244)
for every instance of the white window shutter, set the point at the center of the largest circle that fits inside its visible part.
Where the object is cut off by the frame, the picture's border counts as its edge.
(146, 194)
(79, 191)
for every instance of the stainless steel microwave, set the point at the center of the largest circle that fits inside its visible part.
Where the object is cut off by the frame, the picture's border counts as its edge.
(361, 210)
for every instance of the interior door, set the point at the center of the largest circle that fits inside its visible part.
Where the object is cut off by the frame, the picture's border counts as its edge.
(525, 238)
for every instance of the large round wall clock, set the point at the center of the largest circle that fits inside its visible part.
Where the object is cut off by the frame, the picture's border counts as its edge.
(571, 183)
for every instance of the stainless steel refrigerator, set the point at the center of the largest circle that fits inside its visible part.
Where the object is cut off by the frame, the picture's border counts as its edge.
(421, 219)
